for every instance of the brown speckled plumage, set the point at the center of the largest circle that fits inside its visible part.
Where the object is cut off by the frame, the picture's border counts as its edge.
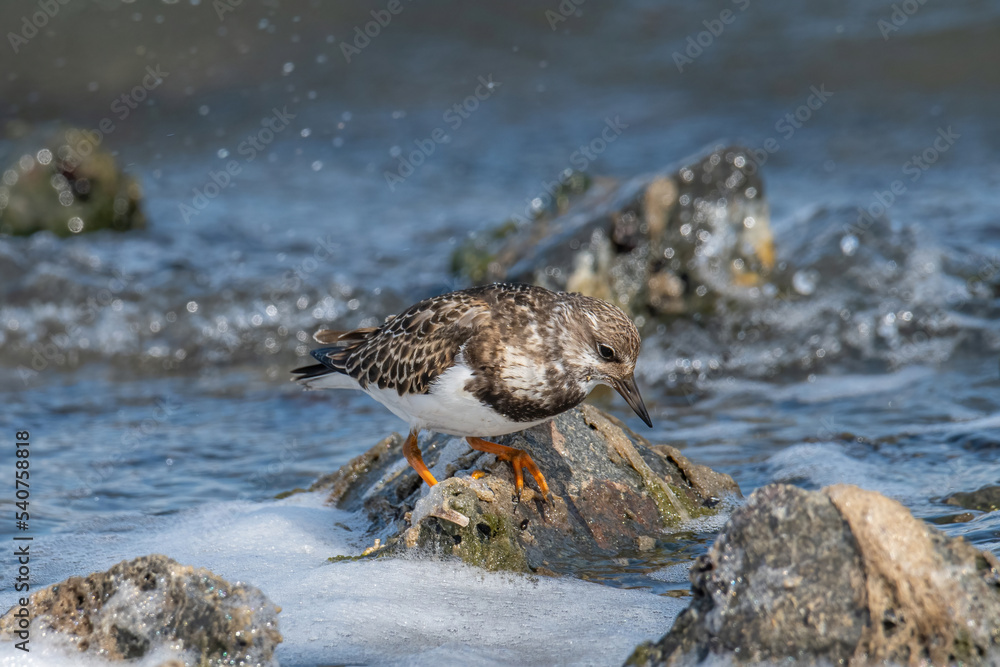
(522, 344)
(411, 349)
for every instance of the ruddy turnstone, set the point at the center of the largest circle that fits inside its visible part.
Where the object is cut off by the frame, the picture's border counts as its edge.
(484, 361)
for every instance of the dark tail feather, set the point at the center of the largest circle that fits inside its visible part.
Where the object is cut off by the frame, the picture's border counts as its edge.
(309, 372)
(325, 366)
(331, 357)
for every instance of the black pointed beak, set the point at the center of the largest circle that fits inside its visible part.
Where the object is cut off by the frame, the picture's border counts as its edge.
(630, 393)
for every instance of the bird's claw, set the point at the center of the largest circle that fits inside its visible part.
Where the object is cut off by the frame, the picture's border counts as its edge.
(519, 460)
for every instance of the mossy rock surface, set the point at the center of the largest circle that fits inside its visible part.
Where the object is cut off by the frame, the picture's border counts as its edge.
(64, 181)
(612, 494)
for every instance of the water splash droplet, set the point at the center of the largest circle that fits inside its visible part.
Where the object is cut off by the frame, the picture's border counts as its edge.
(805, 281)
(849, 244)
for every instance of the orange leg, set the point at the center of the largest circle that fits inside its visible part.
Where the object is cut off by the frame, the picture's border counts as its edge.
(518, 459)
(413, 457)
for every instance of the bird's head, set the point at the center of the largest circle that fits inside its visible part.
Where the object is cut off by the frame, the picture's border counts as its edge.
(606, 345)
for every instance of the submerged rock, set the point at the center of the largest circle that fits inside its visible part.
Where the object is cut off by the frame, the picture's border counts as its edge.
(65, 183)
(142, 604)
(666, 243)
(985, 499)
(612, 493)
(839, 576)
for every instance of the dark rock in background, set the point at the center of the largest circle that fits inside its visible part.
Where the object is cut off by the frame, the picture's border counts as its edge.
(986, 499)
(668, 243)
(612, 493)
(64, 182)
(142, 604)
(840, 576)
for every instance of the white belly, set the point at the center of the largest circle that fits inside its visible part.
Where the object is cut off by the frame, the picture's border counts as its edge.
(449, 408)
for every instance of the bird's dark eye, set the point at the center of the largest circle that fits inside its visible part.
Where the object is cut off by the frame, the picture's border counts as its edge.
(607, 352)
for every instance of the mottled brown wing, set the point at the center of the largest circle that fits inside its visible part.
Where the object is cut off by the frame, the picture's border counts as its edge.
(410, 350)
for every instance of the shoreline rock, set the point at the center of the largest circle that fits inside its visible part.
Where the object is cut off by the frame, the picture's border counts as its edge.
(64, 182)
(612, 493)
(667, 244)
(984, 499)
(838, 576)
(139, 605)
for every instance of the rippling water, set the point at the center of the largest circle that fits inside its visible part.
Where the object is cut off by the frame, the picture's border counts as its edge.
(151, 366)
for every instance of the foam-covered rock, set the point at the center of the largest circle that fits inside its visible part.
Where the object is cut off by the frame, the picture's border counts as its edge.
(138, 606)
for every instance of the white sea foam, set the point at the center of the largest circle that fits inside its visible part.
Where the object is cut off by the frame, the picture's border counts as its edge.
(386, 611)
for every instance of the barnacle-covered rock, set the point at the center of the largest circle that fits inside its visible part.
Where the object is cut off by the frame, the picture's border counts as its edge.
(612, 494)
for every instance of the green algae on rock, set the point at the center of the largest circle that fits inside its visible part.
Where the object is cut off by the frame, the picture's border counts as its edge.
(985, 499)
(455, 519)
(612, 493)
(65, 183)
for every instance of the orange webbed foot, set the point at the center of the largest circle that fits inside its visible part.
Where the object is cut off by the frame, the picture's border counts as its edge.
(519, 460)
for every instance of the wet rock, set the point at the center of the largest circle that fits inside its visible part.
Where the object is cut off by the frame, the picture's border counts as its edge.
(839, 576)
(986, 499)
(612, 493)
(66, 183)
(144, 603)
(666, 243)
